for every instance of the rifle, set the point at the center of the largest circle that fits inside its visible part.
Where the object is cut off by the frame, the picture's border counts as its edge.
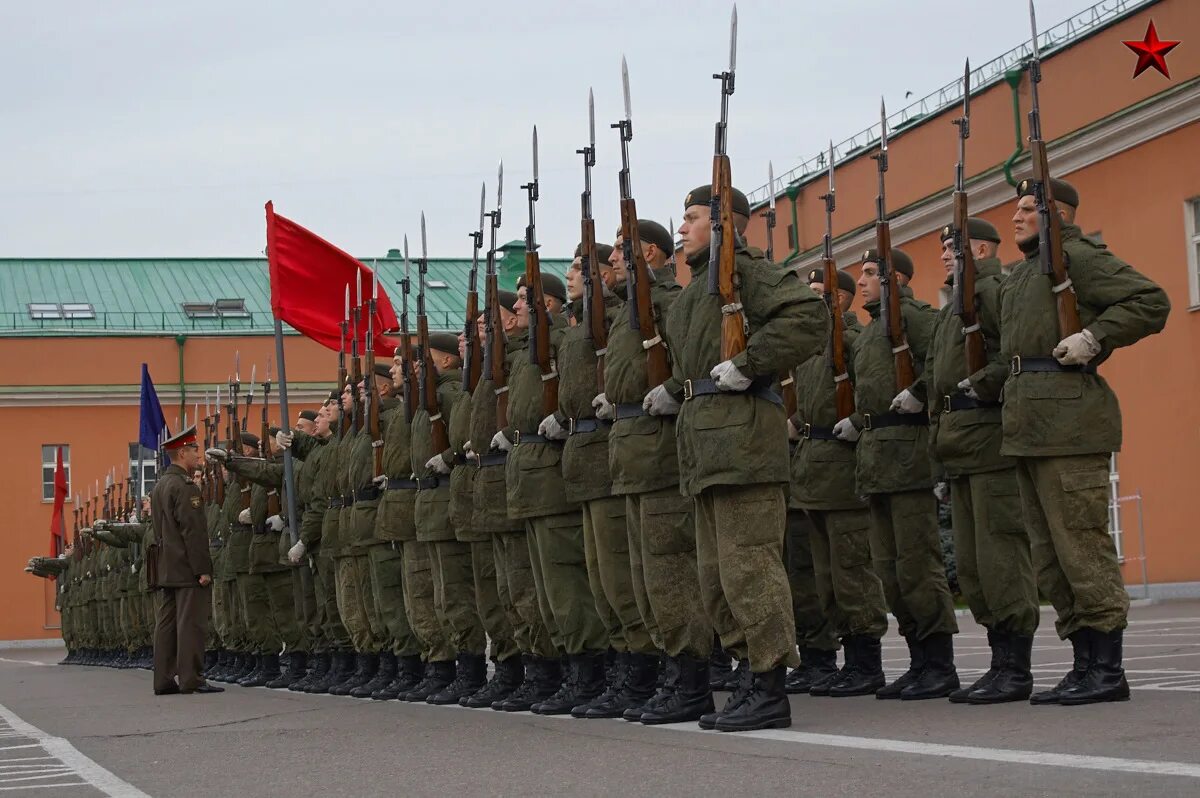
(234, 387)
(249, 402)
(343, 416)
(493, 328)
(108, 489)
(842, 388)
(356, 375)
(1050, 248)
(535, 298)
(964, 259)
(406, 368)
(472, 368)
(75, 529)
(671, 230)
(218, 492)
(427, 374)
(787, 382)
(589, 262)
(641, 309)
(889, 304)
(723, 246)
(372, 392)
(264, 448)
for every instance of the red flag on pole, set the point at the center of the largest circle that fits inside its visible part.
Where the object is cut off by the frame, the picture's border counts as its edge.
(58, 532)
(308, 280)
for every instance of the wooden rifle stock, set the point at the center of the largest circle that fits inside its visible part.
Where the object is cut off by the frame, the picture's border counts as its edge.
(597, 326)
(843, 390)
(901, 354)
(733, 323)
(539, 330)
(658, 367)
(973, 343)
(1054, 260)
(472, 365)
(495, 347)
(429, 397)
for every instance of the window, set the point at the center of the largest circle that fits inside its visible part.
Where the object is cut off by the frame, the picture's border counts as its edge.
(199, 310)
(78, 310)
(1192, 223)
(436, 284)
(149, 467)
(65, 310)
(44, 310)
(1114, 508)
(49, 463)
(232, 308)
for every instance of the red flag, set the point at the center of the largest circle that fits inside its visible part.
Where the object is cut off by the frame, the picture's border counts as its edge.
(308, 286)
(58, 532)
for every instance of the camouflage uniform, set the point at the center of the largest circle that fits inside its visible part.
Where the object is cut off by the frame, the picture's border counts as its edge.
(393, 527)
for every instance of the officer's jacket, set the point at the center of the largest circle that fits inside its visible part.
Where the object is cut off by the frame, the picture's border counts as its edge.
(178, 511)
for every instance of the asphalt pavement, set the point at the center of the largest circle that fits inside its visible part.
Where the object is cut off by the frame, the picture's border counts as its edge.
(85, 731)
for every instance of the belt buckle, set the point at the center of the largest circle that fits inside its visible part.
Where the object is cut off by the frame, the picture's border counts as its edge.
(806, 431)
(570, 426)
(516, 437)
(1014, 366)
(687, 390)
(945, 404)
(867, 421)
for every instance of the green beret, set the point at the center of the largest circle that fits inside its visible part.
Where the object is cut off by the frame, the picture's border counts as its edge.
(654, 233)
(551, 285)
(383, 370)
(444, 342)
(844, 280)
(1064, 192)
(977, 230)
(249, 439)
(508, 300)
(702, 194)
(308, 415)
(899, 260)
(603, 253)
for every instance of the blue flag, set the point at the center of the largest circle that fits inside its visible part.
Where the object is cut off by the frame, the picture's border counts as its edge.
(151, 424)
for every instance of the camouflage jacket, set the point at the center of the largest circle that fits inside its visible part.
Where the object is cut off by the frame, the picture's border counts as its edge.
(433, 504)
(489, 505)
(394, 518)
(319, 520)
(462, 477)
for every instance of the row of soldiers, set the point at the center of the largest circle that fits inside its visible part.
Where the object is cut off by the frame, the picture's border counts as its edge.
(593, 553)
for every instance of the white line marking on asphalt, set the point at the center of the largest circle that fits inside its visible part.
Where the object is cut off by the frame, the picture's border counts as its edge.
(46, 786)
(26, 661)
(80, 765)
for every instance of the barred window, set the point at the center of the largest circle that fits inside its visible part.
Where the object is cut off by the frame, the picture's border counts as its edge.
(49, 463)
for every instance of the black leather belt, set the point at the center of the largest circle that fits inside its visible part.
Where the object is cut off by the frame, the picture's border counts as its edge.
(533, 437)
(881, 420)
(758, 388)
(401, 484)
(961, 401)
(348, 500)
(1044, 364)
(496, 458)
(335, 502)
(460, 458)
(368, 494)
(426, 483)
(578, 425)
(818, 433)
(628, 410)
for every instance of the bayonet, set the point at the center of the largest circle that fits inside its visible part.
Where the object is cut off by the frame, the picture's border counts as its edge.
(771, 212)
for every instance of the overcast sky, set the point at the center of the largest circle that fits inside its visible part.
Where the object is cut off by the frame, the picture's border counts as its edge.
(161, 128)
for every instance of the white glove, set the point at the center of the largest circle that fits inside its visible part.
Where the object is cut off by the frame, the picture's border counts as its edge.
(296, 553)
(793, 433)
(1077, 349)
(968, 389)
(470, 453)
(437, 465)
(275, 523)
(244, 517)
(380, 481)
(941, 491)
(845, 430)
(216, 455)
(604, 409)
(905, 402)
(99, 525)
(728, 378)
(284, 439)
(501, 442)
(659, 402)
(551, 429)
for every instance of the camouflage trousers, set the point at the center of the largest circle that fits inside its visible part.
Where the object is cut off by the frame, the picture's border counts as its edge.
(490, 603)
(261, 629)
(387, 589)
(907, 552)
(661, 533)
(561, 579)
(850, 592)
(743, 583)
(514, 580)
(433, 639)
(305, 609)
(991, 549)
(333, 632)
(355, 601)
(222, 610)
(1065, 506)
(136, 633)
(814, 627)
(606, 552)
(454, 596)
(281, 596)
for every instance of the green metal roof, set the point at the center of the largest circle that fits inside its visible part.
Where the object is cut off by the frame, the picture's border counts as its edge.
(145, 295)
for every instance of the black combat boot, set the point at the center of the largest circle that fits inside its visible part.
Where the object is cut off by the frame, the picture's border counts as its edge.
(690, 699)
(667, 682)
(438, 674)
(616, 670)
(357, 677)
(916, 663)
(360, 683)
(337, 665)
(636, 688)
(1105, 677)
(507, 678)
(720, 666)
(147, 661)
(297, 665)
(1081, 646)
(939, 677)
(709, 719)
(268, 673)
(251, 669)
(997, 642)
(381, 677)
(318, 665)
(1013, 680)
(543, 677)
(211, 658)
(583, 683)
(864, 674)
(410, 670)
(470, 675)
(766, 705)
(816, 665)
(224, 667)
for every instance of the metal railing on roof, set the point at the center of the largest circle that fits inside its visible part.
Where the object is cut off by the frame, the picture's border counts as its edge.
(1049, 40)
(113, 322)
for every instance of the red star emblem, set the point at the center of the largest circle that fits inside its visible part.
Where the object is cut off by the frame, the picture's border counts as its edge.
(1151, 52)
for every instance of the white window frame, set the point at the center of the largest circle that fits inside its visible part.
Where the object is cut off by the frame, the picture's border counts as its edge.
(1191, 208)
(49, 461)
(149, 469)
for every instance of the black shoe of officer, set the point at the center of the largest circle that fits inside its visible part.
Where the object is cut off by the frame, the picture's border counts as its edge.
(864, 672)
(939, 677)
(470, 675)
(720, 666)
(507, 678)
(766, 705)
(709, 719)
(357, 677)
(584, 682)
(381, 676)
(1081, 647)
(691, 698)
(438, 674)
(997, 642)
(1105, 677)
(916, 663)
(268, 672)
(815, 665)
(1014, 678)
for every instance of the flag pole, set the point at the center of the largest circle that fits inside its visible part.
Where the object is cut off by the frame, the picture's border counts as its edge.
(289, 468)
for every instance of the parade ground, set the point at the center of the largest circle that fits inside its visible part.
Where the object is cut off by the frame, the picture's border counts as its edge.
(79, 731)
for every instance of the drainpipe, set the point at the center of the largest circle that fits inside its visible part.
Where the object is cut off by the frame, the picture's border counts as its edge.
(180, 340)
(1013, 78)
(792, 192)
